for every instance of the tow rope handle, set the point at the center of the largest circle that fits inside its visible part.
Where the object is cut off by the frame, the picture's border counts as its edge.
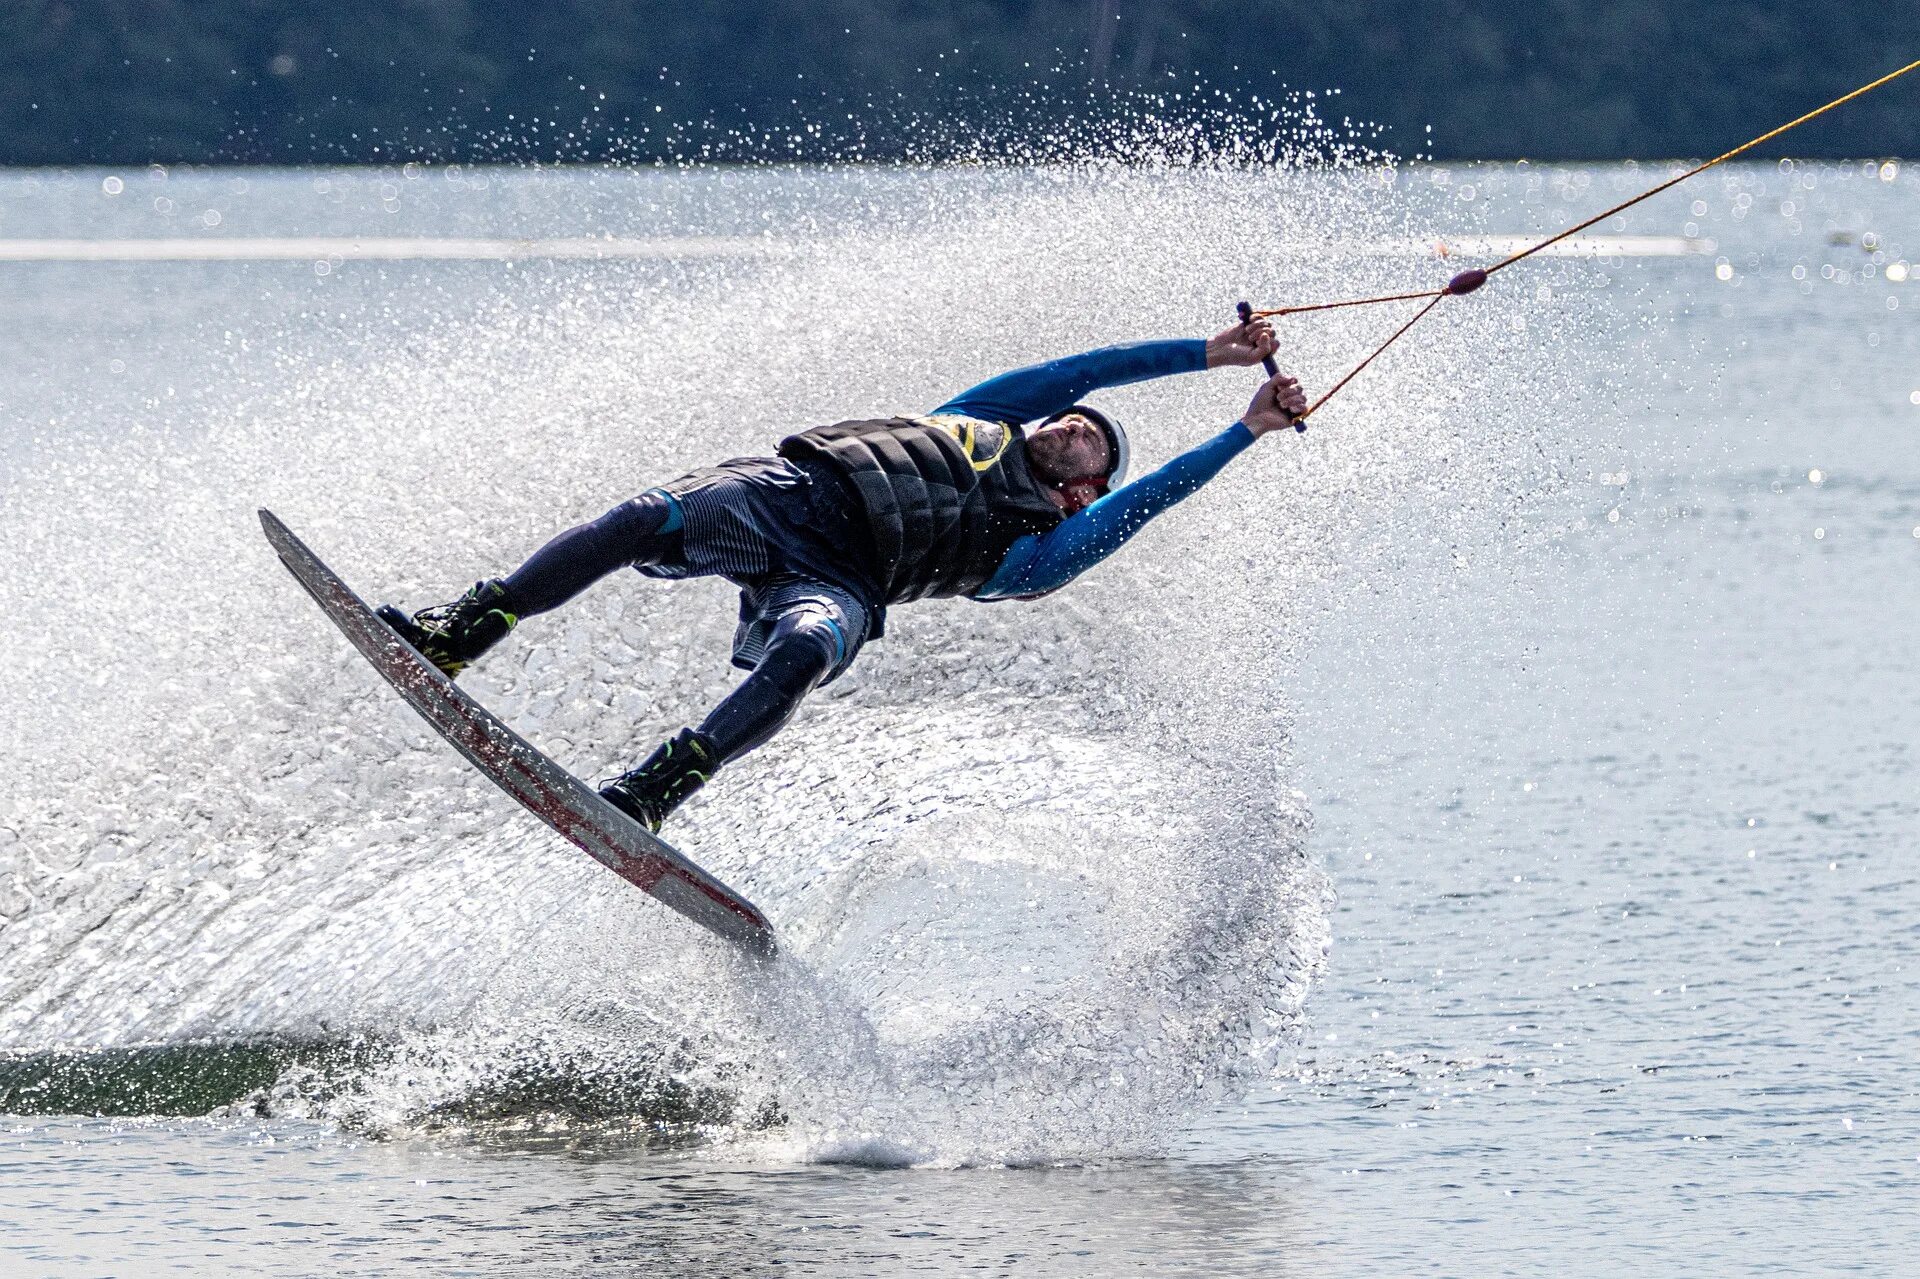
(1273, 370)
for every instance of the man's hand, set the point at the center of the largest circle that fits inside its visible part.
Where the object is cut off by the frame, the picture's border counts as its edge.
(1247, 343)
(1275, 405)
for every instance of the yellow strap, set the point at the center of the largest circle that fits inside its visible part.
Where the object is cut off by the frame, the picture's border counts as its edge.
(962, 430)
(1006, 438)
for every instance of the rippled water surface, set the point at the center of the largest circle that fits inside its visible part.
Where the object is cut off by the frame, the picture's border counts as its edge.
(1476, 835)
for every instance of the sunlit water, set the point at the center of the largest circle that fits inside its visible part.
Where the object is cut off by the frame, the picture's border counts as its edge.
(1572, 649)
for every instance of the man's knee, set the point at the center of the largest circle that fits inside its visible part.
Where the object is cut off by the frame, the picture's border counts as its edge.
(808, 639)
(805, 648)
(652, 514)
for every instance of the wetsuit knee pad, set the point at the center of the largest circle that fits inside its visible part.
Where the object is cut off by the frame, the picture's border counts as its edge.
(809, 637)
(804, 649)
(653, 514)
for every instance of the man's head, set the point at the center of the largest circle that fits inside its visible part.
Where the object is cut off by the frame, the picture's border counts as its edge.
(1079, 453)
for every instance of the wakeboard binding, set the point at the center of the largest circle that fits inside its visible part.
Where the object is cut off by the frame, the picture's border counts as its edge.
(452, 636)
(663, 782)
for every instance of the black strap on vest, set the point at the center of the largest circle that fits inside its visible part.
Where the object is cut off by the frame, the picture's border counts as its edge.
(944, 498)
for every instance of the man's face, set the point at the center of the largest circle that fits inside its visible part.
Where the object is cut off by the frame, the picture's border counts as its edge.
(1070, 448)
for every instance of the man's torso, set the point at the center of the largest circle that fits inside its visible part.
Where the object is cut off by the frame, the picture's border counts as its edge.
(941, 499)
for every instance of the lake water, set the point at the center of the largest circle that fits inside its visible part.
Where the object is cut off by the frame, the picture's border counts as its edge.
(1476, 836)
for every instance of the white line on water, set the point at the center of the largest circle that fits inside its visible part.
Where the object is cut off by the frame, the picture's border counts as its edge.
(394, 249)
(379, 248)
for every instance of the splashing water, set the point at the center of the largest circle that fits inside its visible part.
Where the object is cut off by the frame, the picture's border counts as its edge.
(1038, 870)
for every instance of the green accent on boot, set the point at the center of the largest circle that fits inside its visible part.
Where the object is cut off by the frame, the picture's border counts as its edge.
(452, 635)
(676, 770)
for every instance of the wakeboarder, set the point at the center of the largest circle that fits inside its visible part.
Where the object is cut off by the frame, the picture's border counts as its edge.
(848, 520)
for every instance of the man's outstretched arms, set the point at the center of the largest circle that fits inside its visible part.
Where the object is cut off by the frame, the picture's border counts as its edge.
(1037, 565)
(1041, 390)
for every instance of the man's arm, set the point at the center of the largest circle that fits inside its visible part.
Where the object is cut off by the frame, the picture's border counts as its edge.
(1037, 565)
(1041, 390)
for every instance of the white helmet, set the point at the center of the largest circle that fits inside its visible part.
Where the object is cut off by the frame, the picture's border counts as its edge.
(1116, 439)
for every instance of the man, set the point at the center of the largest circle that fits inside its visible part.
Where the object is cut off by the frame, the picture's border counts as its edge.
(850, 519)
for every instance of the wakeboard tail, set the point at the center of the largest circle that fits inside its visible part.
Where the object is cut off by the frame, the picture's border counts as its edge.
(509, 761)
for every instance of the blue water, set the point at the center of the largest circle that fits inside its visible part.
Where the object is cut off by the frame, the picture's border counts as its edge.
(1475, 836)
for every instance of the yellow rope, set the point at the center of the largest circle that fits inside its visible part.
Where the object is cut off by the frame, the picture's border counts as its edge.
(1358, 368)
(1335, 306)
(1466, 282)
(1742, 149)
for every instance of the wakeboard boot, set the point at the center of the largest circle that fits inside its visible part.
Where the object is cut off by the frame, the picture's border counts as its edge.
(452, 635)
(679, 768)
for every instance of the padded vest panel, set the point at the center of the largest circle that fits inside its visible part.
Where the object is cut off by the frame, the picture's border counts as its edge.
(944, 498)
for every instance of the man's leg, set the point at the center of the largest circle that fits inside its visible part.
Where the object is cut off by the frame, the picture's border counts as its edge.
(809, 642)
(643, 531)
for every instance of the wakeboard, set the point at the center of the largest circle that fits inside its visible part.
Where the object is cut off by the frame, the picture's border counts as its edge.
(510, 762)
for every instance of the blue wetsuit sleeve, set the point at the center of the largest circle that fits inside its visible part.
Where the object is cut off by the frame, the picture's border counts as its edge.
(1041, 390)
(1036, 565)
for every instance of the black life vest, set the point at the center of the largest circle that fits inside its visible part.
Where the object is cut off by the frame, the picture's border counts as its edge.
(944, 497)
